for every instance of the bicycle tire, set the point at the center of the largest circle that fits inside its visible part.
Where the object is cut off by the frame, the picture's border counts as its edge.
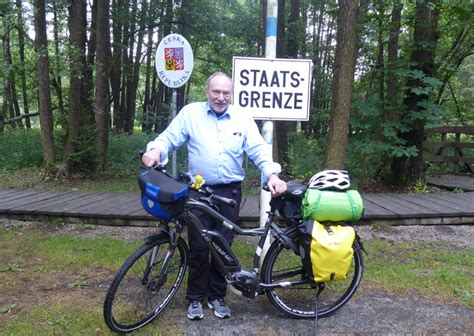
(132, 302)
(282, 264)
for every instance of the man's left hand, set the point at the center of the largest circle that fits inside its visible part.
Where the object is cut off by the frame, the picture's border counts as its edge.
(276, 186)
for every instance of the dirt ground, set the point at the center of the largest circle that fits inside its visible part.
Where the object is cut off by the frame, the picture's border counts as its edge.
(370, 313)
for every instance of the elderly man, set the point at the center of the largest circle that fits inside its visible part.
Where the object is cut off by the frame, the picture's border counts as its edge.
(217, 135)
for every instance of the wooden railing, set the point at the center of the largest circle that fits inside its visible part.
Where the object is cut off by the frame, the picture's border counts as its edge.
(442, 155)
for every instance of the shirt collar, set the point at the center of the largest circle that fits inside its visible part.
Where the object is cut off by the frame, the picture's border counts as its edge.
(226, 114)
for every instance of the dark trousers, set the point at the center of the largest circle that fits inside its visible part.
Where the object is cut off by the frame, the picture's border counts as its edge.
(204, 280)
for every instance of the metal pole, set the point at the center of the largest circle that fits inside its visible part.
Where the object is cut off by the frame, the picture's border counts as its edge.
(267, 130)
(173, 112)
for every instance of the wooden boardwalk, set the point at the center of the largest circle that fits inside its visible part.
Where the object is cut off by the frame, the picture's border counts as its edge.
(452, 182)
(125, 208)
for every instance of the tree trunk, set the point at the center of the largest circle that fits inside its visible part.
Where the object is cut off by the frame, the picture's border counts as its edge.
(316, 93)
(281, 28)
(380, 58)
(146, 121)
(346, 51)
(57, 82)
(76, 63)
(116, 70)
(8, 75)
(7, 95)
(406, 170)
(14, 100)
(87, 82)
(184, 24)
(294, 29)
(296, 37)
(126, 66)
(21, 47)
(284, 128)
(3, 116)
(102, 81)
(158, 96)
(262, 24)
(135, 75)
(392, 62)
(327, 65)
(46, 115)
(279, 127)
(304, 47)
(163, 97)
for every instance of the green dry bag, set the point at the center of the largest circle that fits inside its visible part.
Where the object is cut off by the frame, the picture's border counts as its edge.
(332, 206)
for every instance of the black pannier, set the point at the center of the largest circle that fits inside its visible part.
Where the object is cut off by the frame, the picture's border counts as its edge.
(162, 196)
(289, 205)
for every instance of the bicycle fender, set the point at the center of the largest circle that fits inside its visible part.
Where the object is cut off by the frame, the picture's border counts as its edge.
(153, 238)
(358, 243)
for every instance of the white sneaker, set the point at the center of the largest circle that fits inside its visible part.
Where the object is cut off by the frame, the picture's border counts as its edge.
(195, 310)
(221, 310)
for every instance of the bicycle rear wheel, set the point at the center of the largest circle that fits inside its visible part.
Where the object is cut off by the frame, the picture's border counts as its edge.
(145, 284)
(298, 301)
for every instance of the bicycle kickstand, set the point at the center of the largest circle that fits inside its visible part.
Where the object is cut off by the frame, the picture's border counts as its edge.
(316, 307)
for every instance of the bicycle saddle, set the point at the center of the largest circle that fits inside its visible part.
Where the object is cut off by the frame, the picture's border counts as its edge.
(295, 189)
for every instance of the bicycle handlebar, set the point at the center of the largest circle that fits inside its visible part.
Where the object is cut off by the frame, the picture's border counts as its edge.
(186, 179)
(206, 190)
(228, 201)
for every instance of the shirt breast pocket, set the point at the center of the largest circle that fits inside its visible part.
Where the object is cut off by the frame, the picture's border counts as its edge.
(235, 142)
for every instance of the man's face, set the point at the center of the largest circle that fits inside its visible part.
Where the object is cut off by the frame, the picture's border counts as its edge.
(219, 93)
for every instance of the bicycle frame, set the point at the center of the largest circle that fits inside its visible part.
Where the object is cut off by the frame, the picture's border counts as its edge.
(247, 281)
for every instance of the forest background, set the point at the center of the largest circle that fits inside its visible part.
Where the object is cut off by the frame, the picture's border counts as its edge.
(80, 97)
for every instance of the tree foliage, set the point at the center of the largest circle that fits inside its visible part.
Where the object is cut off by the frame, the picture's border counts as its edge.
(394, 96)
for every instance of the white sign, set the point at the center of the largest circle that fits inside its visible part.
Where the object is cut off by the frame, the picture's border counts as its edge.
(272, 89)
(174, 60)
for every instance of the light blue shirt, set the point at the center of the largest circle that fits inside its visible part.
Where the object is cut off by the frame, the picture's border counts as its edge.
(216, 144)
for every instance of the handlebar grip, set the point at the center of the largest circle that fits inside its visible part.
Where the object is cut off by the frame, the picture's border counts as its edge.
(227, 201)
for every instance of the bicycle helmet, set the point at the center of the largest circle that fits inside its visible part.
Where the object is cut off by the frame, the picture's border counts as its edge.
(330, 180)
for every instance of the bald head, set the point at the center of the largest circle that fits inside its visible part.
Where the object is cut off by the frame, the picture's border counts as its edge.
(219, 88)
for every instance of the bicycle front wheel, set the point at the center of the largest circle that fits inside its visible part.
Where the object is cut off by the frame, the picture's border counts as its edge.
(145, 284)
(283, 266)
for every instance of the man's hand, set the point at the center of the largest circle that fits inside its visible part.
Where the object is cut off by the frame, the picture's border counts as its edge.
(151, 157)
(276, 186)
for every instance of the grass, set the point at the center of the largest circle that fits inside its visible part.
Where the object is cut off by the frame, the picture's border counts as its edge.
(105, 252)
(55, 284)
(432, 269)
(65, 318)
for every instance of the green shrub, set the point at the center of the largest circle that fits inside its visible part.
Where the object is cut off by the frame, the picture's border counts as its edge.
(305, 156)
(20, 149)
(123, 152)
